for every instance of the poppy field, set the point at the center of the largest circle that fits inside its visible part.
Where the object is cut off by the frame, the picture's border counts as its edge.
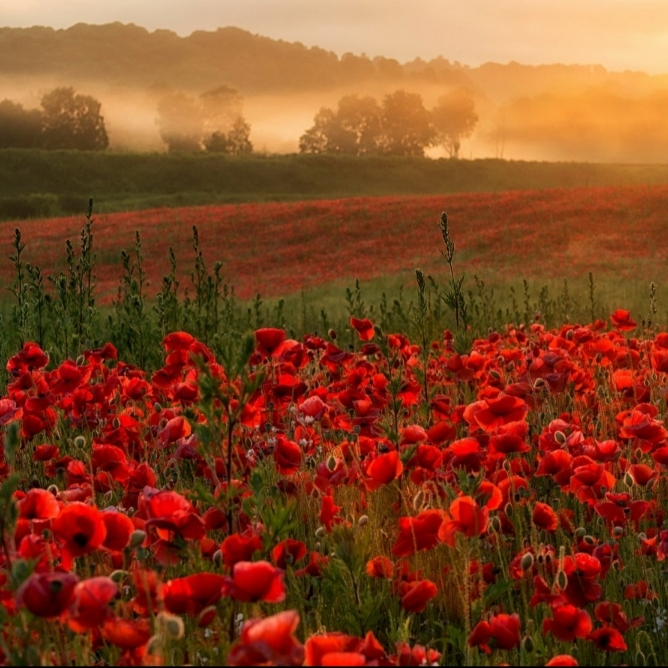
(446, 493)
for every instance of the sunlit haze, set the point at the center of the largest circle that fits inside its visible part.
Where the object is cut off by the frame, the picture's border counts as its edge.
(619, 34)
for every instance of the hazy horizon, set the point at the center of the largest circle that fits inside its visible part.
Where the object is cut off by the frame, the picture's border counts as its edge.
(619, 35)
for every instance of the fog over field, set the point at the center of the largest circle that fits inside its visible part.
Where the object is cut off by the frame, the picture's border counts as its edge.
(533, 112)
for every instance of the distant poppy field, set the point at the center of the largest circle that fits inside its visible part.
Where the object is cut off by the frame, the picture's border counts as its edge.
(452, 494)
(276, 249)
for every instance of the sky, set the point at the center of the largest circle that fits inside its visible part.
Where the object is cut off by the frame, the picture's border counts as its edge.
(618, 34)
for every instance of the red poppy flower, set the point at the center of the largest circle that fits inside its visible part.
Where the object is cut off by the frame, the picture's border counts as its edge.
(255, 581)
(191, 594)
(562, 660)
(316, 562)
(544, 517)
(171, 512)
(317, 648)
(80, 530)
(119, 529)
(613, 613)
(503, 629)
(240, 547)
(269, 339)
(414, 595)
(568, 623)
(47, 594)
(464, 516)
(328, 512)
(90, 607)
(288, 550)
(383, 470)
(609, 639)
(418, 533)
(490, 414)
(363, 327)
(125, 633)
(38, 504)
(287, 455)
(269, 641)
(622, 320)
(380, 567)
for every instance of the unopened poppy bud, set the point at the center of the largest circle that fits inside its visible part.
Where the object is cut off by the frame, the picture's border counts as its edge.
(506, 464)
(155, 645)
(617, 532)
(172, 624)
(116, 423)
(157, 407)
(527, 561)
(363, 520)
(580, 533)
(560, 437)
(80, 360)
(137, 538)
(528, 644)
(331, 463)
(562, 580)
(418, 500)
(640, 659)
(495, 374)
(53, 489)
(510, 367)
(317, 546)
(628, 479)
(79, 441)
(119, 575)
(495, 523)
(598, 358)
(638, 453)
(108, 496)
(642, 536)
(508, 510)
(320, 532)
(589, 540)
(217, 558)
(539, 382)
(331, 333)
(569, 334)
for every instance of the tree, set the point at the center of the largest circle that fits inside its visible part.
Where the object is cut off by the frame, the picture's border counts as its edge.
(406, 125)
(72, 121)
(212, 121)
(235, 142)
(353, 129)
(454, 118)
(180, 122)
(19, 128)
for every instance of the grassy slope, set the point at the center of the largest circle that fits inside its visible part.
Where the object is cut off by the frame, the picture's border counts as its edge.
(44, 184)
(279, 249)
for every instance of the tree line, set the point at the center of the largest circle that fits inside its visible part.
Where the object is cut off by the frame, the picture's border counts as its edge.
(399, 125)
(214, 122)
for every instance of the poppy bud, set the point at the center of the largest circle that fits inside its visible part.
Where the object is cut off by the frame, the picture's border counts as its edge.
(108, 496)
(569, 334)
(495, 523)
(638, 453)
(80, 360)
(495, 374)
(155, 645)
(53, 490)
(539, 382)
(528, 644)
(508, 510)
(157, 407)
(642, 536)
(580, 533)
(80, 441)
(506, 464)
(510, 367)
(527, 561)
(363, 520)
(598, 358)
(562, 580)
(617, 532)
(217, 558)
(331, 463)
(116, 423)
(118, 576)
(560, 437)
(320, 532)
(136, 538)
(172, 624)
(589, 540)
(332, 334)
